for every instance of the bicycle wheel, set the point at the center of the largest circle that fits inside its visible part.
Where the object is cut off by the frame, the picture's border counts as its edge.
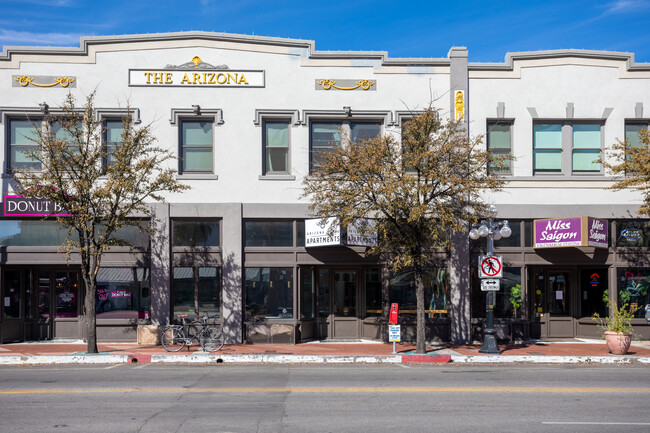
(212, 339)
(173, 339)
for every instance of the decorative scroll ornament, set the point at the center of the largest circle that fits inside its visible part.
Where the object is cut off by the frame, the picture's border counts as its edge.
(25, 81)
(459, 104)
(196, 63)
(328, 84)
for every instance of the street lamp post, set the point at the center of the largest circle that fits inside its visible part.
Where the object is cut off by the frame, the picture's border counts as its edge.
(493, 230)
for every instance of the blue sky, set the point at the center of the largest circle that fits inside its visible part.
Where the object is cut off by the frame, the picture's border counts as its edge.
(403, 28)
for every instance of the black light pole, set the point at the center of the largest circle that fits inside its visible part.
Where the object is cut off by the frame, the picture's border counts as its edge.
(493, 231)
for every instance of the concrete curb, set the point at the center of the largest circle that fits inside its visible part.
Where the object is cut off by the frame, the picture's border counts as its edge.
(216, 358)
(63, 359)
(499, 359)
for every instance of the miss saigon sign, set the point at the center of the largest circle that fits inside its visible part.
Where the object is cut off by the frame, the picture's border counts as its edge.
(196, 73)
(570, 232)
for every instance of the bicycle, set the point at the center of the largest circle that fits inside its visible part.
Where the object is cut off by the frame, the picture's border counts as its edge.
(175, 337)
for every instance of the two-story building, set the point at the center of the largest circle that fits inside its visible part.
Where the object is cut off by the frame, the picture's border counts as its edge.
(248, 117)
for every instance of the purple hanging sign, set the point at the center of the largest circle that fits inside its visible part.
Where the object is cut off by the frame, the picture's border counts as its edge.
(571, 232)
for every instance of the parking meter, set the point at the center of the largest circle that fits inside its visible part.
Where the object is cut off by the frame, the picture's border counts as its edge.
(647, 313)
(394, 311)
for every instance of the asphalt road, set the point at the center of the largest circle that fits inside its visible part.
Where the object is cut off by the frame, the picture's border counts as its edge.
(327, 398)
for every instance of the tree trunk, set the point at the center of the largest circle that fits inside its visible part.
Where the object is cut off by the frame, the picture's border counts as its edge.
(89, 304)
(420, 328)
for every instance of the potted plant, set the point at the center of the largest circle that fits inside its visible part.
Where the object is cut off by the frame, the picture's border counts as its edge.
(617, 327)
(515, 298)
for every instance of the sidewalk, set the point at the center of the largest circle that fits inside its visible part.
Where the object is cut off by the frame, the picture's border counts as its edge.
(569, 352)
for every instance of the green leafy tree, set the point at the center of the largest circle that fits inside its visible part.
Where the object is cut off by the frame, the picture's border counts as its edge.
(633, 163)
(419, 192)
(101, 197)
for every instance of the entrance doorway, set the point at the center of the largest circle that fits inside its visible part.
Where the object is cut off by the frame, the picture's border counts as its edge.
(39, 304)
(337, 298)
(561, 296)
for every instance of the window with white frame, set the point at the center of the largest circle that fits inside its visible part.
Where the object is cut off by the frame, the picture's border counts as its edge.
(23, 138)
(499, 143)
(275, 137)
(567, 148)
(196, 146)
(325, 136)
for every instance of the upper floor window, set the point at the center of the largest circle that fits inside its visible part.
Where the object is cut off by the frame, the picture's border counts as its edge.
(196, 146)
(580, 142)
(23, 138)
(547, 148)
(586, 148)
(325, 136)
(113, 129)
(499, 143)
(276, 147)
(632, 133)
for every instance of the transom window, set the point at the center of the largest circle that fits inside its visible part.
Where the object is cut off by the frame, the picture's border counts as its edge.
(196, 146)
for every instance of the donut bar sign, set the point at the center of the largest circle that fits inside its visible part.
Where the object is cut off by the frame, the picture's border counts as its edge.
(571, 232)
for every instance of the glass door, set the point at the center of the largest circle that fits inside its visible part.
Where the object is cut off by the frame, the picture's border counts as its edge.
(345, 324)
(552, 303)
(558, 292)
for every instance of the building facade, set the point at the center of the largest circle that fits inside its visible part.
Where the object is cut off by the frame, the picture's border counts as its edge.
(249, 116)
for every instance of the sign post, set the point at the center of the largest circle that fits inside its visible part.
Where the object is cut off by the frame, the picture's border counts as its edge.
(394, 332)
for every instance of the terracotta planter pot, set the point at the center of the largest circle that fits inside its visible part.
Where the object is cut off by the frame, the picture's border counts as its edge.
(617, 343)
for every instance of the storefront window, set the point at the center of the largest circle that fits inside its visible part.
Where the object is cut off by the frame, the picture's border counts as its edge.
(508, 301)
(373, 292)
(300, 233)
(307, 292)
(11, 300)
(633, 289)
(66, 291)
(197, 291)
(268, 233)
(122, 293)
(632, 233)
(594, 291)
(436, 293)
(269, 293)
(197, 233)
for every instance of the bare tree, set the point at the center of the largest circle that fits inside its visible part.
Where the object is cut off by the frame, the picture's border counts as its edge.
(103, 188)
(418, 193)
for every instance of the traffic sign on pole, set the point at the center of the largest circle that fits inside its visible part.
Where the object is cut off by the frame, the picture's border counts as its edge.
(490, 267)
(490, 285)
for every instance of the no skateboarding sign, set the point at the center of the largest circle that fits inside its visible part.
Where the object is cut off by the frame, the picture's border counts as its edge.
(490, 267)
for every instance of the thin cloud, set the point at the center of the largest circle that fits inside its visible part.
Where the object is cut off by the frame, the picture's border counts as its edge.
(31, 38)
(55, 3)
(626, 6)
